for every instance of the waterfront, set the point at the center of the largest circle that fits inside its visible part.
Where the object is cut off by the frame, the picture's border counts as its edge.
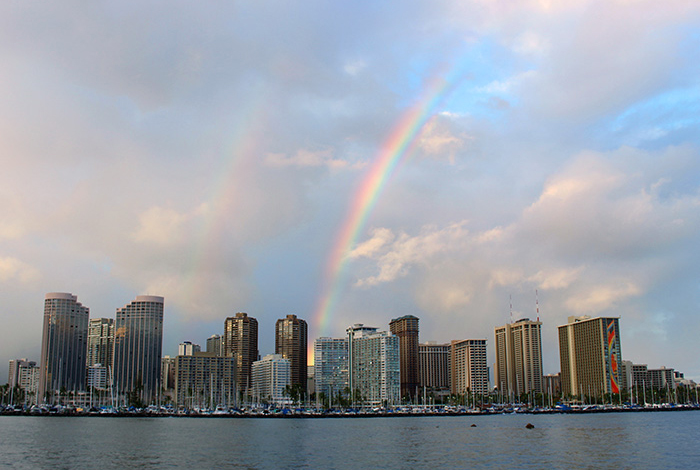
(601, 441)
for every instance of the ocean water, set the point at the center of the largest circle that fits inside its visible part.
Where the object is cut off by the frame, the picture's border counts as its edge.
(658, 440)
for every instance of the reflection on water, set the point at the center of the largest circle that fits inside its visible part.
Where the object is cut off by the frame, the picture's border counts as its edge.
(602, 441)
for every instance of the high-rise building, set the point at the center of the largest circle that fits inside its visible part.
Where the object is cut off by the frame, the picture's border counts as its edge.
(270, 377)
(551, 384)
(406, 328)
(100, 348)
(469, 373)
(374, 370)
(25, 375)
(434, 367)
(138, 341)
(662, 378)
(590, 354)
(215, 345)
(291, 342)
(188, 348)
(241, 343)
(519, 358)
(330, 366)
(205, 380)
(63, 345)
(640, 376)
(97, 377)
(15, 365)
(167, 373)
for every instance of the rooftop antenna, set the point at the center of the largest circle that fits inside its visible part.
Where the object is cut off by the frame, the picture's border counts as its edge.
(510, 298)
(537, 304)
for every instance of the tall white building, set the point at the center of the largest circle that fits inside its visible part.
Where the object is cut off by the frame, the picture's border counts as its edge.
(519, 357)
(188, 348)
(330, 366)
(271, 376)
(374, 370)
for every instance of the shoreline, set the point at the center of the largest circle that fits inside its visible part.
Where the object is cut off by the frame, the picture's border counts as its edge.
(348, 414)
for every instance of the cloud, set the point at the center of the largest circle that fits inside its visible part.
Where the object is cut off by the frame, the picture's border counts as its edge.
(307, 158)
(14, 269)
(366, 249)
(439, 140)
(160, 226)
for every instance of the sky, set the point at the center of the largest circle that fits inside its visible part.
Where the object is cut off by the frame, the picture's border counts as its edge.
(463, 161)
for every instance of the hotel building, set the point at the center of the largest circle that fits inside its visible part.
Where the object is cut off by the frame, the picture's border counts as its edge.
(406, 328)
(469, 372)
(291, 338)
(330, 366)
(434, 367)
(63, 345)
(519, 358)
(138, 340)
(374, 365)
(241, 343)
(590, 356)
(271, 376)
(205, 380)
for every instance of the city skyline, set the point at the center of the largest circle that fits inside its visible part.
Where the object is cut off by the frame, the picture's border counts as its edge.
(356, 163)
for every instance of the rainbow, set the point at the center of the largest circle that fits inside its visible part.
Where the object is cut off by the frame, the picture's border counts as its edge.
(394, 148)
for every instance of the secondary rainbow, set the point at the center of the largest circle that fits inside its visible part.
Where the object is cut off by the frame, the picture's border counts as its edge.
(394, 148)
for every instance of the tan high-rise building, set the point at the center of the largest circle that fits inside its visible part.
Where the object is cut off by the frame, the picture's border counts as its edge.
(519, 358)
(590, 355)
(469, 372)
(291, 338)
(241, 343)
(205, 380)
(434, 366)
(406, 328)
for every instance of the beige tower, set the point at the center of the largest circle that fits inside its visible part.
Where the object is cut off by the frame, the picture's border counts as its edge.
(469, 372)
(590, 354)
(519, 358)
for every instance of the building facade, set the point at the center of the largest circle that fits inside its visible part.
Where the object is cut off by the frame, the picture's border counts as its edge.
(25, 375)
(63, 345)
(100, 347)
(271, 376)
(138, 340)
(590, 355)
(241, 343)
(215, 345)
(330, 366)
(434, 366)
(205, 380)
(469, 373)
(291, 340)
(374, 372)
(406, 328)
(519, 358)
(662, 378)
(188, 348)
